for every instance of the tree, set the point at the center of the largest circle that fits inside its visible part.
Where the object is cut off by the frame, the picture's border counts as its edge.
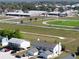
(36, 19)
(10, 33)
(21, 22)
(63, 47)
(77, 51)
(61, 9)
(17, 34)
(2, 32)
(30, 19)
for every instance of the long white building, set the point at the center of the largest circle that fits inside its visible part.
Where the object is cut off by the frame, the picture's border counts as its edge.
(30, 13)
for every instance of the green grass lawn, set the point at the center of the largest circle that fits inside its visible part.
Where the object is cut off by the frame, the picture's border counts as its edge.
(64, 22)
(34, 37)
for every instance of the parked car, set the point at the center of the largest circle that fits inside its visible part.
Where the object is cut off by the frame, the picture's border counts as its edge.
(40, 57)
(5, 50)
(14, 51)
(17, 56)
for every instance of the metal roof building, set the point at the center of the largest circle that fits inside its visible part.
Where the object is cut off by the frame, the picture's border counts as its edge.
(19, 43)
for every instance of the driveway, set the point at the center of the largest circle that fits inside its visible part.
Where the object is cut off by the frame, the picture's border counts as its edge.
(7, 55)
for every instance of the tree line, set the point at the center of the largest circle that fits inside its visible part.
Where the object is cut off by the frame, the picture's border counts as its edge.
(25, 6)
(30, 6)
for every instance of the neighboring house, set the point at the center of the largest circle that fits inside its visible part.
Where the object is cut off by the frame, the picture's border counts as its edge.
(71, 12)
(46, 55)
(18, 43)
(71, 56)
(30, 13)
(3, 41)
(54, 48)
(33, 51)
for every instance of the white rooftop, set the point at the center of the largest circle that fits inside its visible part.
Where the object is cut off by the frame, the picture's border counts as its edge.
(16, 40)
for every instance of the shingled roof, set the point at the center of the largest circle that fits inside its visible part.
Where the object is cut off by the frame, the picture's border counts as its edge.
(43, 45)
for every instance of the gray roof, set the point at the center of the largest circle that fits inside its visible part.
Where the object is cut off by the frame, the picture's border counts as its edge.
(44, 45)
(69, 57)
(47, 52)
(33, 50)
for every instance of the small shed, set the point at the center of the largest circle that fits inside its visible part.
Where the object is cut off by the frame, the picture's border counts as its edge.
(3, 41)
(33, 51)
(20, 43)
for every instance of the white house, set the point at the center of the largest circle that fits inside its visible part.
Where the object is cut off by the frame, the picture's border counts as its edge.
(3, 41)
(57, 49)
(20, 43)
(33, 51)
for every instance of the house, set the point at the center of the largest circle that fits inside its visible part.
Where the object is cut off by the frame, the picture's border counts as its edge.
(3, 41)
(71, 56)
(18, 43)
(33, 51)
(71, 12)
(47, 55)
(54, 48)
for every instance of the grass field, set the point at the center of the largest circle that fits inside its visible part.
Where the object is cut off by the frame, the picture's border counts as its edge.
(64, 22)
(4, 17)
(47, 31)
